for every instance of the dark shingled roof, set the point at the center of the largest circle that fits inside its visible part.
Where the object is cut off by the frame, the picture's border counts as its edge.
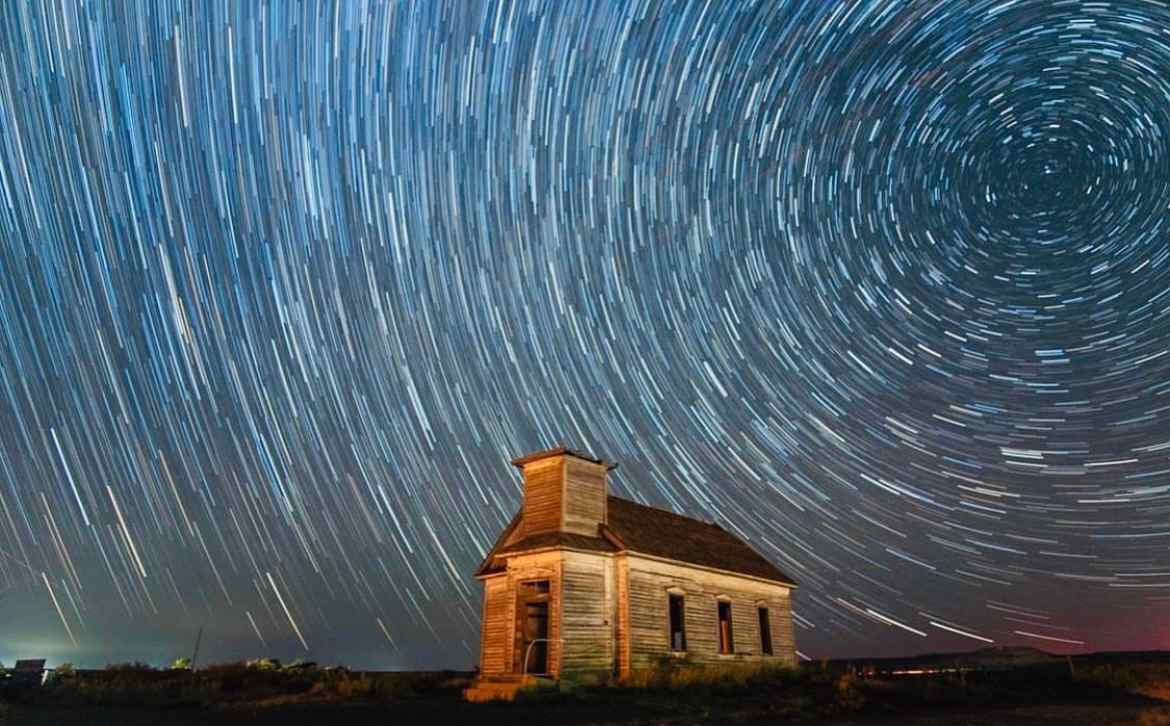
(660, 533)
(649, 531)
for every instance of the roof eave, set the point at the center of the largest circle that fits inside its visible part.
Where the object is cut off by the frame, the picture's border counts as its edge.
(550, 548)
(733, 573)
(521, 461)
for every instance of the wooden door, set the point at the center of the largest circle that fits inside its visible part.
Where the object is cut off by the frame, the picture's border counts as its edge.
(536, 636)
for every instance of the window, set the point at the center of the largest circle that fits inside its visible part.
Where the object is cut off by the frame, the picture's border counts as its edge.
(726, 642)
(534, 588)
(678, 623)
(765, 632)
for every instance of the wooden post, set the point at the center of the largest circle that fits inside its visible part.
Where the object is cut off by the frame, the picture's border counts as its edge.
(195, 653)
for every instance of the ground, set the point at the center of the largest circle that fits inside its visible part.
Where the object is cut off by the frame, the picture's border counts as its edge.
(439, 714)
(1086, 693)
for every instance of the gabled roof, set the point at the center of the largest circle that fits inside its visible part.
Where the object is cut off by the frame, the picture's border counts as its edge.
(639, 529)
(487, 566)
(660, 533)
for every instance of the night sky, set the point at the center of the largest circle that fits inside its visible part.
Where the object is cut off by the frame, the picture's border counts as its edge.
(883, 287)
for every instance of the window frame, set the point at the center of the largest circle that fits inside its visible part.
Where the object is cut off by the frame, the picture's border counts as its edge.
(726, 644)
(764, 615)
(671, 597)
(530, 589)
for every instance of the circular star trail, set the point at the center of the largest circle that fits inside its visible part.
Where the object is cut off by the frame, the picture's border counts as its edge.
(883, 287)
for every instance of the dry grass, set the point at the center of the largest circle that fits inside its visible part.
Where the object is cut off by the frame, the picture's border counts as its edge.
(1159, 716)
(236, 683)
(674, 692)
(680, 674)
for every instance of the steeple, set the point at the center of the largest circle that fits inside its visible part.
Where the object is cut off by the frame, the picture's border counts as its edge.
(564, 491)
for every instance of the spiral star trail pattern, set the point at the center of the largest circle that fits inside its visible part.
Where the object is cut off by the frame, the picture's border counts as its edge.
(883, 287)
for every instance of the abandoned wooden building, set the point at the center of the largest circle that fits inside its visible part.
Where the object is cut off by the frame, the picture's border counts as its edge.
(584, 582)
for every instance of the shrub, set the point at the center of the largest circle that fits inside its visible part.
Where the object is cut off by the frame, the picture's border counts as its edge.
(681, 673)
(300, 664)
(849, 695)
(263, 664)
(130, 667)
(349, 687)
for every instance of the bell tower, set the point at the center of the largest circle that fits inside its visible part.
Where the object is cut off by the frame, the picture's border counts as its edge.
(564, 491)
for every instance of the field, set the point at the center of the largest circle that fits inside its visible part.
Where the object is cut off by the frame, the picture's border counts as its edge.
(1104, 689)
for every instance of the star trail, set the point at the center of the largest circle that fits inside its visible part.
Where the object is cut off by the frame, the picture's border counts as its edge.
(882, 287)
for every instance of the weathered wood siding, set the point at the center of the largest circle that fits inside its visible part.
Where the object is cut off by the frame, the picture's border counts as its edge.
(584, 496)
(544, 486)
(495, 633)
(621, 568)
(588, 609)
(783, 634)
(649, 620)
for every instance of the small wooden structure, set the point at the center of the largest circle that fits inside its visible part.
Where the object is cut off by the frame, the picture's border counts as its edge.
(583, 582)
(28, 672)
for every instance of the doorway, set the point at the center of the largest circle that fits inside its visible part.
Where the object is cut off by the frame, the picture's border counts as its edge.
(536, 637)
(532, 627)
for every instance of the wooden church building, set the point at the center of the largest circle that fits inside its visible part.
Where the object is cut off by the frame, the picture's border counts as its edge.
(583, 582)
